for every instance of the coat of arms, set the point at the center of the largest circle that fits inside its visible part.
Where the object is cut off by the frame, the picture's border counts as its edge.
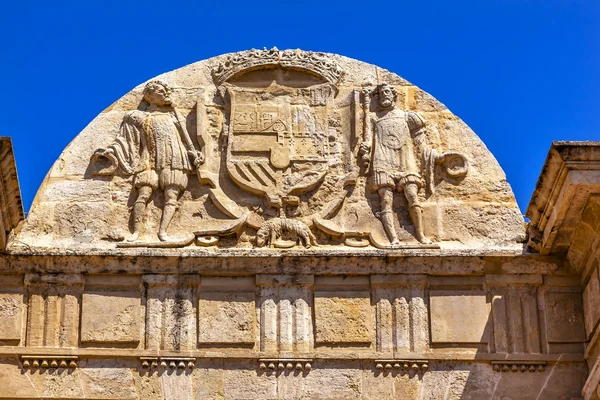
(281, 140)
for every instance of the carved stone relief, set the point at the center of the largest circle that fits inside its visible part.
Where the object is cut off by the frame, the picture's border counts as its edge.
(286, 144)
(393, 142)
(281, 149)
(155, 147)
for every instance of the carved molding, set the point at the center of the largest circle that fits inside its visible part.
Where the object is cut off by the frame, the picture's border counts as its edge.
(569, 177)
(168, 363)
(46, 362)
(285, 364)
(402, 366)
(11, 207)
(518, 366)
(315, 62)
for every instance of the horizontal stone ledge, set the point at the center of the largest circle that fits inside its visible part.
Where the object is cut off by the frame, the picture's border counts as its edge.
(235, 266)
(519, 366)
(321, 251)
(524, 279)
(398, 280)
(20, 352)
(65, 279)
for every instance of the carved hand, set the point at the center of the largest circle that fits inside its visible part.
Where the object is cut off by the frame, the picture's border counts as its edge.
(197, 156)
(364, 151)
(367, 97)
(99, 161)
(455, 164)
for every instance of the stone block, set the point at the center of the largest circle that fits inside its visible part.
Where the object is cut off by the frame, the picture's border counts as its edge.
(243, 383)
(16, 385)
(77, 190)
(591, 303)
(120, 321)
(334, 380)
(227, 318)
(343, 317)
(564, 316)
(459, 316)
(591, 212)
(107, 379)
(208, 379)
(11, 316)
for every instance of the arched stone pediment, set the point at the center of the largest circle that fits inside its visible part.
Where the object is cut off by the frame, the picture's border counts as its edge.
(286, 224)
(313, 62)
(278, 151)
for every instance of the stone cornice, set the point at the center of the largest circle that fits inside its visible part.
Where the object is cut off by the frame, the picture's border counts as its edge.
(11, 207)
(318, 63)
(223, 266)
(571, 173)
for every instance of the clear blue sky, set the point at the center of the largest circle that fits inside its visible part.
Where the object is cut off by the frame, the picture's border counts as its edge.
(520, 73)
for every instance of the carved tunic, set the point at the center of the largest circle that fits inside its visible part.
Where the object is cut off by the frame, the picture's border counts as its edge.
(151, 147)
(394, 152)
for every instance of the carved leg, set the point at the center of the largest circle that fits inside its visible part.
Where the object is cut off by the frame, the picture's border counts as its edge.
(305, 239)
(386, 195)
(411, 191)
(273, 238)
(139, 211)
(171, 195)
(312, 238)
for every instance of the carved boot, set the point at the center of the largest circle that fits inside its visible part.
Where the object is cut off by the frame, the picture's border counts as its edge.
(387, 219)
(416, 215)
(167, 216)
(139, 209)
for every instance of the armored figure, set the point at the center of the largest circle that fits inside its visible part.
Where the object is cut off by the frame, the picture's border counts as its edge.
(390, 142)
(155, 147)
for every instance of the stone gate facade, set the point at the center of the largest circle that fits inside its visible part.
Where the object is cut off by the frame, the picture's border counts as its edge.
(296, 225)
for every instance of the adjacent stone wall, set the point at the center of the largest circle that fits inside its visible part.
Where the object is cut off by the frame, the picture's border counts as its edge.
(296, 225)
(565, 220)
(471, 327)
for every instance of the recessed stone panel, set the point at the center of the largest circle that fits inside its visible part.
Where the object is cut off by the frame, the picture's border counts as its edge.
(459, 316)
(343, 317)
(564, 315)
(11, 316)
(227, 318)
(591, 300)
(110, 317)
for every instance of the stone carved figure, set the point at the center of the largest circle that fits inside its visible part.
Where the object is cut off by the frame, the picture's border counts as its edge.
(389, 150)
(393, 142)
(273, 229)
(155, 147)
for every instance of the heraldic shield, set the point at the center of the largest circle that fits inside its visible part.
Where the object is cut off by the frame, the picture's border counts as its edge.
(279, 141)
(274, 128)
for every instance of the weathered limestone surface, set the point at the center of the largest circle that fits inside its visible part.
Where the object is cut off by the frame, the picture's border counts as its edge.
(295, 225)
(255, 334)
(11, 208)
(274, 148)
(565, 219)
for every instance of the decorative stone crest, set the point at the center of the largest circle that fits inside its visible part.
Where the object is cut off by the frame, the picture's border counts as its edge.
(319, 63)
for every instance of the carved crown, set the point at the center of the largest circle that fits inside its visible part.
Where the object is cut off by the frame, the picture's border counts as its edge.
(316, 62)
